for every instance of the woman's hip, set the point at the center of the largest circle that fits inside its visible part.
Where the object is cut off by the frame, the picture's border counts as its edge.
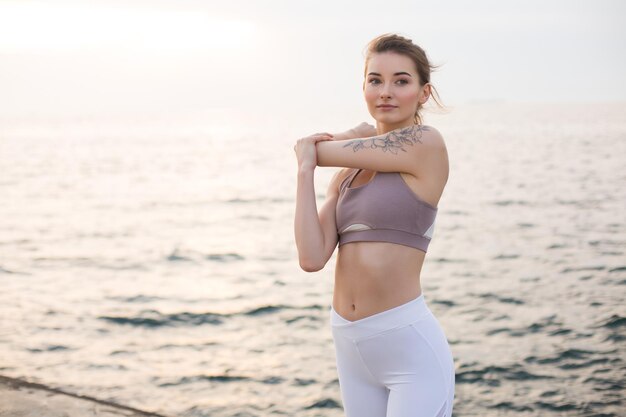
(393, 318)
(399, 345)
(407, 329)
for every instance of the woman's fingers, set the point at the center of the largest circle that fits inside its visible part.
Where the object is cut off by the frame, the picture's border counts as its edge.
(314, 138)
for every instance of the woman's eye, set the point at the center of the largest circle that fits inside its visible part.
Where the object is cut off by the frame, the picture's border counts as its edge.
(374, 81)
(402, 82)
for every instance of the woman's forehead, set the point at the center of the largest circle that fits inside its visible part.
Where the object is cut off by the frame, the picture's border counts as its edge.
(389, 63)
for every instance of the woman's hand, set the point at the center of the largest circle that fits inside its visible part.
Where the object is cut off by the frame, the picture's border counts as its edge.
(364, 130)
(306, 151)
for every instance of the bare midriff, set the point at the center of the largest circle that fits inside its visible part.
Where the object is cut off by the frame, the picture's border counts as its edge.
(371, 277)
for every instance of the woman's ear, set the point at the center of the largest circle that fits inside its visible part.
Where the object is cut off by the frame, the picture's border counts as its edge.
(425, 93)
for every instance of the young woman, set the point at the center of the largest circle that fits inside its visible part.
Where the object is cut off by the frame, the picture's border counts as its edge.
(392, 356)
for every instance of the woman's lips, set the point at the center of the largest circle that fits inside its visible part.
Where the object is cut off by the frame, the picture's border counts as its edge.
(387, 107)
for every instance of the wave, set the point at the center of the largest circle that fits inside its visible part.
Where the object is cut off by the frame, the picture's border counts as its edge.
(154, 318)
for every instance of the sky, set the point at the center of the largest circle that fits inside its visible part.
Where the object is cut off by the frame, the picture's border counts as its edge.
(278, 57)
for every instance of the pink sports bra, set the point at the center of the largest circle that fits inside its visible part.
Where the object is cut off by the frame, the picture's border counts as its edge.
(384, 209)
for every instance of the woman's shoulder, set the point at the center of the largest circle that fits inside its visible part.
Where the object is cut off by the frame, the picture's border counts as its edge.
(432, 131)
(426, 134)
(432, 138)
(434, 160)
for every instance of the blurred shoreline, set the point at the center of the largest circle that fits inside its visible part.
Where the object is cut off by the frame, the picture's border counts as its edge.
(23, 398)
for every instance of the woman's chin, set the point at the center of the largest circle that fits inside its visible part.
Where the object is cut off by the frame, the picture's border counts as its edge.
(391, 121)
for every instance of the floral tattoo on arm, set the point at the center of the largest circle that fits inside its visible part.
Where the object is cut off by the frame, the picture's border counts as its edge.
(392, 141)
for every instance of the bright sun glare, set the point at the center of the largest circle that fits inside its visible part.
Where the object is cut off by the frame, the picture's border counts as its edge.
(36, 26)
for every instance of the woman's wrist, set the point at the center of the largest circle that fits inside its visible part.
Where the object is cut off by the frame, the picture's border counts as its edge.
(348, 134)
(363, 130)
(305, 170)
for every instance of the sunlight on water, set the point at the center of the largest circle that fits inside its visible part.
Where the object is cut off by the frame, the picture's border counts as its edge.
(151, 261)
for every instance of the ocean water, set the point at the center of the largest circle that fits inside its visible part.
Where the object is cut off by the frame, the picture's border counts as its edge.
(152, 262)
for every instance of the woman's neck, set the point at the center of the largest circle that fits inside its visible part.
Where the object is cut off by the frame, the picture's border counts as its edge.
(382, 128)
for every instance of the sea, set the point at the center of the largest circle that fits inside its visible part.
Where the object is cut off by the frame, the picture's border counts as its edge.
(151, 261)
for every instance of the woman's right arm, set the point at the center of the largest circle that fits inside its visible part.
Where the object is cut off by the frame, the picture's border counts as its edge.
(316, 235)
(363, 130)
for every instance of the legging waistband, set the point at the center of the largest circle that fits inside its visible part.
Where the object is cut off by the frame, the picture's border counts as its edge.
(398, 316)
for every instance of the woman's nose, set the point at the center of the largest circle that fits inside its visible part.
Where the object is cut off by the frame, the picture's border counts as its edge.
(384, 92)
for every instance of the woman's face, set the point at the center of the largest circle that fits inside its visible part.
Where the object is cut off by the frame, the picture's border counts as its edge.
(392, 90)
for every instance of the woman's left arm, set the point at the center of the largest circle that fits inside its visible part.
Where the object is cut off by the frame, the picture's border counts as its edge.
(399, 150)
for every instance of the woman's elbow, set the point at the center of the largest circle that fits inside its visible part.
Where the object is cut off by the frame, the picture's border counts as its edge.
(314, 261)
(311, 266)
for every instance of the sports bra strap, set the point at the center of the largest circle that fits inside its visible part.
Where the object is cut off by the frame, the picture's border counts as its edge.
(353, 177)
(347, 180)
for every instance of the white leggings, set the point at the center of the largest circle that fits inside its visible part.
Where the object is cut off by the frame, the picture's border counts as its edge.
(396, 363)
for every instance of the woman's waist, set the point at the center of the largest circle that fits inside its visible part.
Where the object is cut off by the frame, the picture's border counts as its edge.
(378, 260)
(360, 278)
(358, 294)
(380, 255)
(392, 317)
